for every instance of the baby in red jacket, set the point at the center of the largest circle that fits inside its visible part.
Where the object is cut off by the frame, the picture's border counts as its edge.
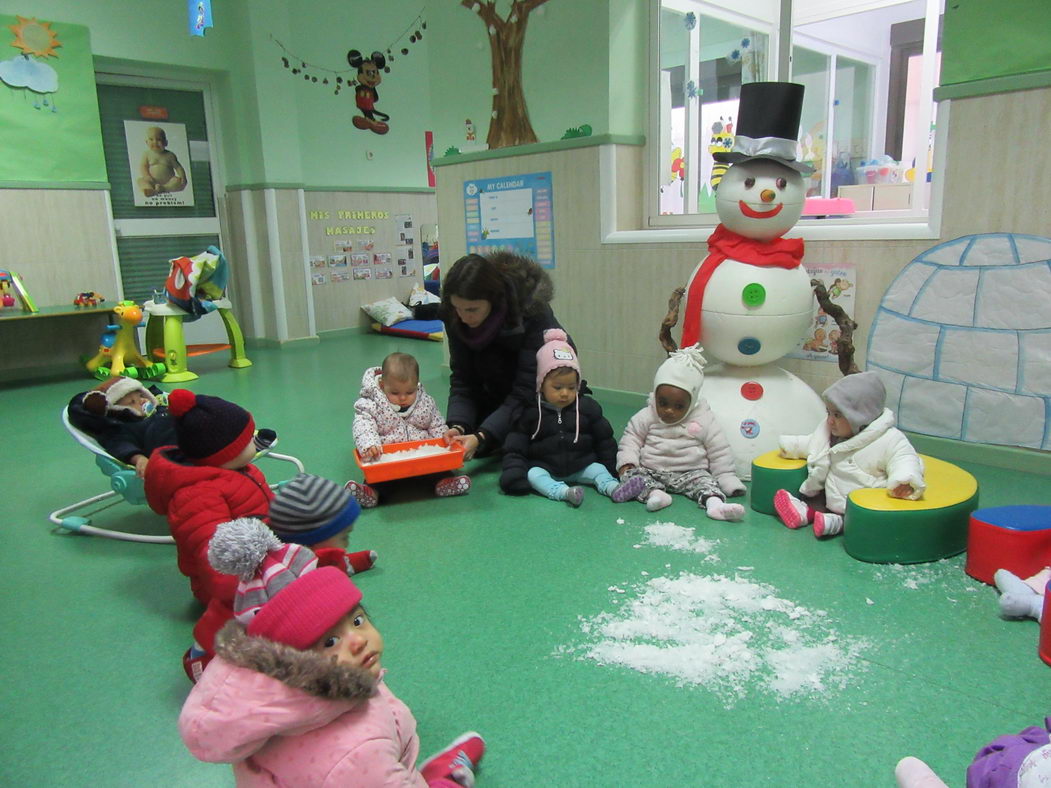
(207, 479)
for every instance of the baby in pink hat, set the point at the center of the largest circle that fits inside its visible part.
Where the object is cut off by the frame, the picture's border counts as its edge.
(565, 439)
(296, 693)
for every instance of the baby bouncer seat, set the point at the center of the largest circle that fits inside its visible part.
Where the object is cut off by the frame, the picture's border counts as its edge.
(126, 486)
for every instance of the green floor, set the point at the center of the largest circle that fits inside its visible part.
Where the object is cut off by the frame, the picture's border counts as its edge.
(483, 601)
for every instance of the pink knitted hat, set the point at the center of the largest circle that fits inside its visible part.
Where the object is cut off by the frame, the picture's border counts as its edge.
(555, 353)
(283, 596)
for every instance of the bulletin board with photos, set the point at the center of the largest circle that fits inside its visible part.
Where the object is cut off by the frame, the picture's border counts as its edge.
(363, 247)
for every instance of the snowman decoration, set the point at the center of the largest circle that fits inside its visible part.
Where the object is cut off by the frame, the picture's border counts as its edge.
(749, 302)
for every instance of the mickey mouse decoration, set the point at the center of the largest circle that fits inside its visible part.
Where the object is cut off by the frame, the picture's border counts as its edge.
(365, 94)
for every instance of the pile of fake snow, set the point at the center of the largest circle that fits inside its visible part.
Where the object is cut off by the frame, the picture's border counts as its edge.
(729, 635)
(675, 537)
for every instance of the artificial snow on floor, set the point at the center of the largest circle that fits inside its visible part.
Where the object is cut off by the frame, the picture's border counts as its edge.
(726, 633)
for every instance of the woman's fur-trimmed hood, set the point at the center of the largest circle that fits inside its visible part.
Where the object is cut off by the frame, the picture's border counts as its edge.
(307, 671)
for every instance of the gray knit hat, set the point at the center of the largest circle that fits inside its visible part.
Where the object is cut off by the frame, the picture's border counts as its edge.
(310, 509)
(859, 397)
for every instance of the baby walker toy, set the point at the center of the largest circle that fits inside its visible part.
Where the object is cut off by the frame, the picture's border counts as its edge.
(118, 352)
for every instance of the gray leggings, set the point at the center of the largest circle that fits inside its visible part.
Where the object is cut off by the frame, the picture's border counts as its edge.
(696, 485)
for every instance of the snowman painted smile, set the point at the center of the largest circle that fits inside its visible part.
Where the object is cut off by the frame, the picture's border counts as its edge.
(752, 213)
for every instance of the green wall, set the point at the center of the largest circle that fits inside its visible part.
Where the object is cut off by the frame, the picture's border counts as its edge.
(983, 39)
(584, 62)
(50, 136)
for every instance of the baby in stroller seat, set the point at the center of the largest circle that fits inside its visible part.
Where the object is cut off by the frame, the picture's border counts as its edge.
(128, 420)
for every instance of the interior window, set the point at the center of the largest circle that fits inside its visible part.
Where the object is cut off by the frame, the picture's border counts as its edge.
(868, 117)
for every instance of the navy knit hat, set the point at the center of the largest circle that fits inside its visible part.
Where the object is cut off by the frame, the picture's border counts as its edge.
(210, 430)
(310, 509)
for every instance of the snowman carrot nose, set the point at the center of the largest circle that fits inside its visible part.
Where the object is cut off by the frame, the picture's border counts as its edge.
(768, 195)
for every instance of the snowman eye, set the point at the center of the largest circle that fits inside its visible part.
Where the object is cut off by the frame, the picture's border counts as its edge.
(749, 183)
(781, 183)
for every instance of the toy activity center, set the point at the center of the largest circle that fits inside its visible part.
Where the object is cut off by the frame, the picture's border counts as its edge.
(198, 196)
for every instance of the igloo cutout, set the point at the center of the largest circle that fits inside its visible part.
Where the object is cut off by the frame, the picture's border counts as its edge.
(948, 296)
(981, 377)
(948, 253)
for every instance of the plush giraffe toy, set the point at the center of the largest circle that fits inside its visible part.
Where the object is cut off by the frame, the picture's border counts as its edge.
(119, 348)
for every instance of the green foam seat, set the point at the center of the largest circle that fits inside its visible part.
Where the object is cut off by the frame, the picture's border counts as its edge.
(772, 472)
(882, 529)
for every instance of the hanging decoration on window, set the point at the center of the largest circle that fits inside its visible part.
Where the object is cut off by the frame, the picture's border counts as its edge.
(363, 75)
(26, 71)
(200, 14)
(750, 54)
(510, 123)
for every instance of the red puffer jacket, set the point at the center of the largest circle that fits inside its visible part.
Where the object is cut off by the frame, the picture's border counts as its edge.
(195, 499)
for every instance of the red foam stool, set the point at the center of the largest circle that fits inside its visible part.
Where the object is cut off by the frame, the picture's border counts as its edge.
(1045, 627)
(1016, 538)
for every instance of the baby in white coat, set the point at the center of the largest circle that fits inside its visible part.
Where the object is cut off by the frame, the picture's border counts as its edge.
(675, 445)
(856, 446)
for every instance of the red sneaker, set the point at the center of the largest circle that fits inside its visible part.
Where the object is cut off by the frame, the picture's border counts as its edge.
(366, 497)
(361, 560)
(194, 661)
(456, 762)
(452, 485)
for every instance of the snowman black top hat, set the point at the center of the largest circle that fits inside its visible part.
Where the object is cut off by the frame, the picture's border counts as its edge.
(768, 124)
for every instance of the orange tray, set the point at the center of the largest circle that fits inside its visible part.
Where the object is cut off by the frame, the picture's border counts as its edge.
(401, 469)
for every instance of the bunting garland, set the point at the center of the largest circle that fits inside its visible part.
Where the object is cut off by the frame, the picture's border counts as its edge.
(346, 78)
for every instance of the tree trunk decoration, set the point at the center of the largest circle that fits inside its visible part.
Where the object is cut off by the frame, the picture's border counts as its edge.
(668, 323)
(509, 124)
(845, 343)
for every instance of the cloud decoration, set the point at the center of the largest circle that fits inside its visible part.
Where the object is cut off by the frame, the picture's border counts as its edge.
(21, 72)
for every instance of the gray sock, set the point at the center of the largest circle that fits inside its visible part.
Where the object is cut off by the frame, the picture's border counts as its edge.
(1028, 605)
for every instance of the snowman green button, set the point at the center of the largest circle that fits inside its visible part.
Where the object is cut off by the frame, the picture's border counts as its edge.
(753, 294)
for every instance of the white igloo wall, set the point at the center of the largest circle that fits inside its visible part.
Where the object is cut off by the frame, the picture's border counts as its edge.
(962, 340)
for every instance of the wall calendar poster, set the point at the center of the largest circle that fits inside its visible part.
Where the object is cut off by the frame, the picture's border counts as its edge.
(513, 214)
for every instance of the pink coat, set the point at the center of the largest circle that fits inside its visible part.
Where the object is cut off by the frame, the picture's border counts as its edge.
(377, 421)
(276, 734)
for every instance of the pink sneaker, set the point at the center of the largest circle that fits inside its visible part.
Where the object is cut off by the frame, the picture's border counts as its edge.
(456, 762)
(790, 510)
(452, 485)
(363, 494)
(827, 524)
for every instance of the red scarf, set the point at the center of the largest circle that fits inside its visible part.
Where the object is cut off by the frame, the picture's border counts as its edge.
(725, 244)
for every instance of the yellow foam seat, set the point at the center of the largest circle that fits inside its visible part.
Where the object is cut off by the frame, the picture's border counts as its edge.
(772, 472)
(881, 529)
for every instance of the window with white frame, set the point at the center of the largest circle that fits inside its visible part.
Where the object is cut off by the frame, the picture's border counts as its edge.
(868, 119)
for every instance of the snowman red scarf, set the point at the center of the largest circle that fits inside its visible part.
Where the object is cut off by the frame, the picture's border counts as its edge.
(725, 244)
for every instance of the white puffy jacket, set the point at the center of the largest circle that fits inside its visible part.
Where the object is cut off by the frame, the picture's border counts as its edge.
(377, 421)
(878, 456)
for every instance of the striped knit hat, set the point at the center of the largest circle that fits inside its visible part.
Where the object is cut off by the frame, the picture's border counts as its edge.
(309, 509)
(283, 596)
(210, 430)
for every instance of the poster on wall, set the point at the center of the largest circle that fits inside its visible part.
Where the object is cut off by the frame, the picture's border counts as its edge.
(512, 214)
(157, 153)
(819, 344)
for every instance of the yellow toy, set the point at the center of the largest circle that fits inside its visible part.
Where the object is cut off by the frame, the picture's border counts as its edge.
(119, 348)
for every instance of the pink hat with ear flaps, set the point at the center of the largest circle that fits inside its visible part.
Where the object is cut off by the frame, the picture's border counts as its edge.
(555, 353)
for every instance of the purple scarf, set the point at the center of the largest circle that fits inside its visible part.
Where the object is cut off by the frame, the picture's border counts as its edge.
(484, 334)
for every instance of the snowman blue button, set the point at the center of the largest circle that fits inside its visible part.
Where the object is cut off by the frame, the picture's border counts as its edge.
(749, 346)
(753, 294)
